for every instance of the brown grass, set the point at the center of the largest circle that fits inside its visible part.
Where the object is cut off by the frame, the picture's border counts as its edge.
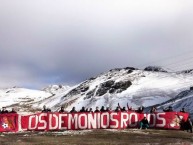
(99, 137)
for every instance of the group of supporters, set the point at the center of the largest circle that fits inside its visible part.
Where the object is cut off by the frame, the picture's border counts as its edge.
(144, 124)
(118, 109)
(168, 109)
(102, 109)
(5, 111)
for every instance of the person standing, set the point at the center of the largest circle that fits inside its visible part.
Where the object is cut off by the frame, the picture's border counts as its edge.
(144, 123)
(83, 110)
(102, 109)
(189, 125)
(45, 110)
(62, 110)
(73, 110)
(90, 110)
(4, 110)
(153, 110)
(97, 109)
(183, 110)
(13, 111)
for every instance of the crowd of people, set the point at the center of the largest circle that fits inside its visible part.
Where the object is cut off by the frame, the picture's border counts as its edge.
(102, 109)
(5, 111)
(143, 124)
(107, 109)
(118, 109)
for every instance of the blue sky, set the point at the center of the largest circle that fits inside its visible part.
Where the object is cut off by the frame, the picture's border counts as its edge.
(46, 42)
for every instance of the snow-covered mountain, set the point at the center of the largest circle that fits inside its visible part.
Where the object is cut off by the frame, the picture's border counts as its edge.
(22, 99)
(128, 85)
(147, 87)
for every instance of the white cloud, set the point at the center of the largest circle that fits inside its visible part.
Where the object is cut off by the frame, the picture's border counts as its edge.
(72, 40)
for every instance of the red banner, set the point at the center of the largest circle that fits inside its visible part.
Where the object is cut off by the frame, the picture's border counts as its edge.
(78, 121)
(8, 122)
(110, 120)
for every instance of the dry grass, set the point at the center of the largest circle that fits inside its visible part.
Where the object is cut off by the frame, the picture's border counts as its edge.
(99, 137)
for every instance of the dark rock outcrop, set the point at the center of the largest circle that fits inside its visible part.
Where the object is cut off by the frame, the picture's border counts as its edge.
(112, 87)
(130, 68)
(155, 69)
(81, 89)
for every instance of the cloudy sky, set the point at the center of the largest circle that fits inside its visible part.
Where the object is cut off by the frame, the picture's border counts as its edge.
(66, 41)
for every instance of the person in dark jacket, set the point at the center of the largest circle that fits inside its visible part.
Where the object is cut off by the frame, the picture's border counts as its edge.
(118, 109)
(188, 125)
(140, 109)
(153, 110)
(123, 109)
(90, 110)
(73, 110)
(183, 110)
(97, 109)
(102, 109)
(12, 111)
(4, 110)
(45, 110)
(83, 109)
(129, 107)
(144, 123)
(169, 109)
(62, 110)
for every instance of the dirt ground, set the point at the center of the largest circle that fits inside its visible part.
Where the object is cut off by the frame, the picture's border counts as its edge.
(99, 137)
